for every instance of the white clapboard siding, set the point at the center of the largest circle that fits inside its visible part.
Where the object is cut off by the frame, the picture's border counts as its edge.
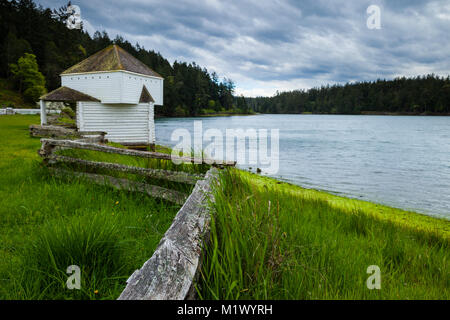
(105, 86)
(123, 123)
(121, 87)
(133, 83)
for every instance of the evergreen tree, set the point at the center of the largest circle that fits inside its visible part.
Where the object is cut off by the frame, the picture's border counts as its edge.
(26, 28)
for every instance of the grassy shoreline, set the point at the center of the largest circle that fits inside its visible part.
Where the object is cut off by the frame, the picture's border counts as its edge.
(398, 216)
(272, 240)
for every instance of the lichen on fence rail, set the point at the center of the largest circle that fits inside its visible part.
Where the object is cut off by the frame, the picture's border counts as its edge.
(171, 271)
(174, 176)
(128, 152)
(62, 132)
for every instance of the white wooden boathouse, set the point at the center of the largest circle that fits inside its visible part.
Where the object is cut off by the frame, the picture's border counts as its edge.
(114, 92)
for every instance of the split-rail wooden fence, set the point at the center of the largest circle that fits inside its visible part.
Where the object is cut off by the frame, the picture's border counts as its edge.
(171, 272)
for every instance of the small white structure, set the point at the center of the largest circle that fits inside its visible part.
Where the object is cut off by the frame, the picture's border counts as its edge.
(115, 93)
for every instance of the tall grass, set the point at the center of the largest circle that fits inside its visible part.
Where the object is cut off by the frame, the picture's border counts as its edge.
(47, 224)
(271, 243)
(90, 242)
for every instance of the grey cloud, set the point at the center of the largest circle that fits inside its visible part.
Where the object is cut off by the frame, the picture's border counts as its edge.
(284, 40)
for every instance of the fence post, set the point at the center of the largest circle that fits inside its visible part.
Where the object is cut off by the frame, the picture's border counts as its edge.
(46, 151)
(43, 112)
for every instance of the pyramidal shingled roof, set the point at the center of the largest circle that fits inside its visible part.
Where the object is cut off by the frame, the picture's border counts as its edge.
(68, 95)
(112, 58)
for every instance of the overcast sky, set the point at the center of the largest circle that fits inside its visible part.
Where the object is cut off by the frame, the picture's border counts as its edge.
(265, 46)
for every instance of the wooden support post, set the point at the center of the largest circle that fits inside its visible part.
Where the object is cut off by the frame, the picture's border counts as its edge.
(43, 112)
(80, 116)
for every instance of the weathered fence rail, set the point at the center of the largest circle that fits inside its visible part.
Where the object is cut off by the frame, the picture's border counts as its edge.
(10, 111)
(126, 184)
(171, 272)
(174, 176)
(129, 152)
(50, 158)
(50, 145)
(62, 132)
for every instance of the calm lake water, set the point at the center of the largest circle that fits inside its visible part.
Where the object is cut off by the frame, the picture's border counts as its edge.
(399, 161)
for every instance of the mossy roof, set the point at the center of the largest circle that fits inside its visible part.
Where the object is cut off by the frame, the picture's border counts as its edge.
(112, 58)
(67, 95)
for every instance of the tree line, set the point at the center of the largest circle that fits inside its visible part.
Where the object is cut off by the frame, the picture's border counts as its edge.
(35, 40)
(39, 35)
(428, 94)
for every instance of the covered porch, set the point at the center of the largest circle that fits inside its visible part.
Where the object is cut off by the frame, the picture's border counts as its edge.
(62, 94)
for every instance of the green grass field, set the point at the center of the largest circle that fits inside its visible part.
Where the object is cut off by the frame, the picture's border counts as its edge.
(47, 224)
(273, 240)
(269, 239)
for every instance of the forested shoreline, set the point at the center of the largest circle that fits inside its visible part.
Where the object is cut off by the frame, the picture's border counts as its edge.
(428, 94)
(189, 89)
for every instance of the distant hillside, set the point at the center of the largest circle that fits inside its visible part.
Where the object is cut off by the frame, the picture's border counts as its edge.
(9, 97)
